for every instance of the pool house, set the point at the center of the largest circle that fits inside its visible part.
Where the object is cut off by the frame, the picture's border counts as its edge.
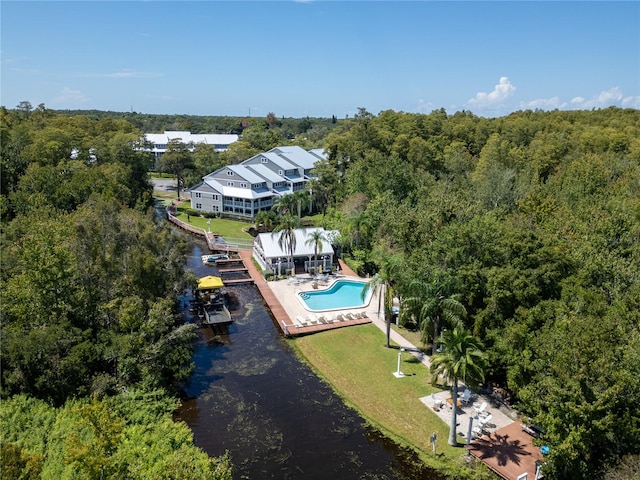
(273, 254)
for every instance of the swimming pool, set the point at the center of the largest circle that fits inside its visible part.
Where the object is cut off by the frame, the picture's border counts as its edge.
(342, 294)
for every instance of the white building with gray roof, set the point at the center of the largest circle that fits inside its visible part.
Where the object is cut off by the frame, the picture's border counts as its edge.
(244, 190)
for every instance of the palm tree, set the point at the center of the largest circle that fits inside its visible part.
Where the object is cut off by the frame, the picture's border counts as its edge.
(284, 205)
(264, 220)
(383, 283)
(462, 358)
(301, 198)
(315, 238)
(430, 306)
(287, 239)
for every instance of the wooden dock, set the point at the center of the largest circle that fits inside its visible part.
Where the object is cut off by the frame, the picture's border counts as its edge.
(238, 281)
(242, 269)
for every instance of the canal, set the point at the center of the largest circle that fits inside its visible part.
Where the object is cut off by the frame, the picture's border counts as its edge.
(251, 396)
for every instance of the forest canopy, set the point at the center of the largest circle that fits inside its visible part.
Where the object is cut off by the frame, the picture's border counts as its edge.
(531, 221)
(92, 343)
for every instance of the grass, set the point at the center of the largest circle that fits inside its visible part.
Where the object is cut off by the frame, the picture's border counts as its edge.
(357, 364)
(220, 226)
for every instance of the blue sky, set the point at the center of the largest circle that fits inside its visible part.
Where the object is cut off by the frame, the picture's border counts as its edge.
(320, 58)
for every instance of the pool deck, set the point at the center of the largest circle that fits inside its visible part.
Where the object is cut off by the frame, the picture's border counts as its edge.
(286, 307)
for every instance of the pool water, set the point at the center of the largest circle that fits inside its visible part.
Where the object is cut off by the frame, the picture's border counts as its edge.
(342, 294)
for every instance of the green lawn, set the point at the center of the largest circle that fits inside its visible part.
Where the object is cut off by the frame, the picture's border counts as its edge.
(221, 226)
(356, 363)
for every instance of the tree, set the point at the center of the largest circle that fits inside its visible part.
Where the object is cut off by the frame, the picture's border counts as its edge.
(383, 284)
(284, 205)
(176, 160)
(315, 238)
(301, 198)
(287, 239)
(461, 358)
(265, 220)
(430, 306)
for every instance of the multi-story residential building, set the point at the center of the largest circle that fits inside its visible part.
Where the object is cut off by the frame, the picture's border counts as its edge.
(253, 185)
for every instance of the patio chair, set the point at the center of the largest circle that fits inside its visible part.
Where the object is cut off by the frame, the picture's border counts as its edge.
(481, 408)
(466, 396)
(437, 402)
(484, 421)
(301, 320)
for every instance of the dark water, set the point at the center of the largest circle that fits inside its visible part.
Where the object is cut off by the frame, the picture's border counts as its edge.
(250, 395)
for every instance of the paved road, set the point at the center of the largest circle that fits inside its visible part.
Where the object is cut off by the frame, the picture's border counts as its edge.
(166, 184)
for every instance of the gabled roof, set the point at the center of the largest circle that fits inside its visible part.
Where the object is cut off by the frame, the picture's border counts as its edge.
(245, 173)
(279, 161)
(320, 153)
(270, 243)
(204, 187)
(265, 172)
(296, 155)
(237, 192)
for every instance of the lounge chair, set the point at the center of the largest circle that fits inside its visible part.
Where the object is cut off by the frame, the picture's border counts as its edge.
(484, 421)
(481, 408)
(437, 402)
(301, 320)
(466, 396)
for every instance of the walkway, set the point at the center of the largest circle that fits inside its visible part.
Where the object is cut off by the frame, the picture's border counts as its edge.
(274, 296)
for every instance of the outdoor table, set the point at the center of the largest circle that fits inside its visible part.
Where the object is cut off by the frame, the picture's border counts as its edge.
(450, 402)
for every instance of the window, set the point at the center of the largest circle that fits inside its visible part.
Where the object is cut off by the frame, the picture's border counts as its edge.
(264, 160)
(215, 208)
(243, 185)
(229, 172)
(198, 195)
(280, 172)
(198, 206)
(229, 184)
(215, 196)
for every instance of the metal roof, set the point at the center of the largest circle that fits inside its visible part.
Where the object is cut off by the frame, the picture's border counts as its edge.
(236, 191)
(186, 137)
(272, 249)
(265, 172)
(279, 161)
(244, 172)
(296, 155)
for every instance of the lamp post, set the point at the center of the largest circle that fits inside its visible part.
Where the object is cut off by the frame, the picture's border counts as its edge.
(398, 373)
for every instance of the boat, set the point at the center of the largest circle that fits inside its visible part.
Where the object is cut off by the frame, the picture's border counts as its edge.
(212, 259)
(211, 301)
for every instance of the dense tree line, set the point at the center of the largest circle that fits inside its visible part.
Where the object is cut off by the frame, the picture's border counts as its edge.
(529, 222)
(88, 289)
(532, 223)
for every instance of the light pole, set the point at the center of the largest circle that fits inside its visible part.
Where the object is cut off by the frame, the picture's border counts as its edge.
(398, 373)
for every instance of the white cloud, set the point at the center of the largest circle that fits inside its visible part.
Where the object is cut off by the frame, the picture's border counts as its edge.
(631, 102)
(70, 97)
(501, 92)
(606, 98)
(543, 104)
(424, 107)
(122, 74)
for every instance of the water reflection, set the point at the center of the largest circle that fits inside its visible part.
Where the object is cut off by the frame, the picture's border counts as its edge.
(250, 395)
